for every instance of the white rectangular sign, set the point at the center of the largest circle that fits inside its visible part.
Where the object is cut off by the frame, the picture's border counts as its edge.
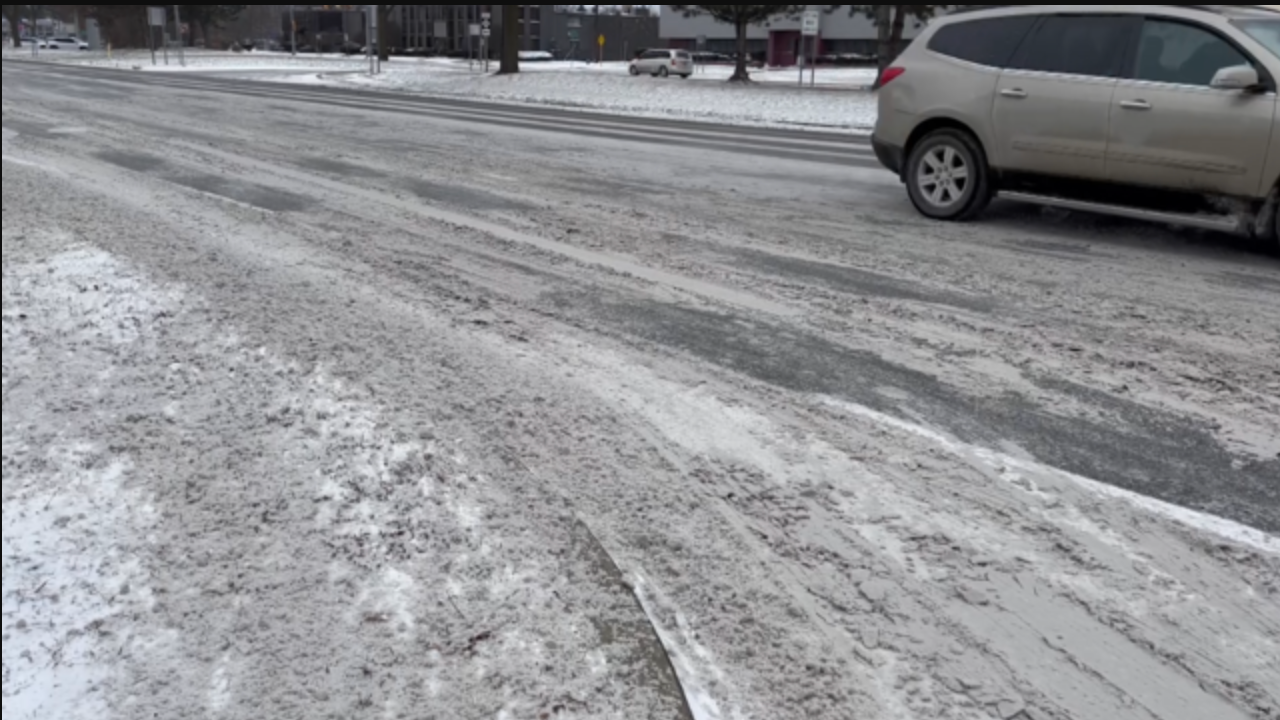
(442, 28)
(812, 22)
(155, 16)
(475, 29)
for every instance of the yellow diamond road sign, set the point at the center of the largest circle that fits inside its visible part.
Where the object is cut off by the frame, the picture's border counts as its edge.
(602, 41)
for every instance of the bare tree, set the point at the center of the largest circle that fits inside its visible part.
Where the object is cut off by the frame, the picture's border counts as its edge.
(510, 64)
(384, 31)
(15, 14)
(891, 25)
(740, 17)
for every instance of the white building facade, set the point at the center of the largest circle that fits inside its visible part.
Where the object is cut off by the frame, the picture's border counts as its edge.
(779, 42)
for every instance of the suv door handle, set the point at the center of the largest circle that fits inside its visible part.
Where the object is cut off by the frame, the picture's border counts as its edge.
(1135, 105)
(1018, 93)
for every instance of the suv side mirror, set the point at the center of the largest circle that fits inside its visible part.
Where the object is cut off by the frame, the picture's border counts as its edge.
(1239, 77)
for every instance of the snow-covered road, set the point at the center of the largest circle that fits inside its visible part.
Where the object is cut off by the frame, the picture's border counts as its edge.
(326, 404)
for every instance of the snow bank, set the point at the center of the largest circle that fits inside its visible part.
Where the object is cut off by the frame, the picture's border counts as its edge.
(610, 89)
(72, 526)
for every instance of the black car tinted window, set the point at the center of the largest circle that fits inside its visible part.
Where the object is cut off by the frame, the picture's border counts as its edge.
(1182, 54)
(1091, 45)
(985, 42)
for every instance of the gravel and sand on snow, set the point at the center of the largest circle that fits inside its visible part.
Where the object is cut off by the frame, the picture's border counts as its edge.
(305, 420)
(838, 101)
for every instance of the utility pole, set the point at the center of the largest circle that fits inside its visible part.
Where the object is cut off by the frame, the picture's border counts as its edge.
(177, 27)
(293, 33)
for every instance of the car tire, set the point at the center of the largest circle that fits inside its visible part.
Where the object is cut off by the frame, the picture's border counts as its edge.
(948, 177)
(1272, 244)
(684, 76)
(634, 71)
(663, 72)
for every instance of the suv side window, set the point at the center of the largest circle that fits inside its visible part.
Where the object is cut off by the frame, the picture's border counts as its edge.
(1091, 45)
(984, 42)
(1182, 54)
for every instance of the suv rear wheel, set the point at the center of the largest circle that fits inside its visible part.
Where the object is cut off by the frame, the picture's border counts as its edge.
(1274, 246)
(947, 176)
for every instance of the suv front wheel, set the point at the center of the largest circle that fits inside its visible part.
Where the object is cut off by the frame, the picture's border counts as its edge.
(947, 176)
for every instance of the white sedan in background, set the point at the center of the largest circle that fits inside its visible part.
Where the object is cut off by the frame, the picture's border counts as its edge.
(67, 43)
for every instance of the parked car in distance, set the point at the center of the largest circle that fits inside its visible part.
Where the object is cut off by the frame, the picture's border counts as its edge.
(40, 43)
(1155, 112)
(712, 58)
(536, 56)
(662, 63)
(68, 43)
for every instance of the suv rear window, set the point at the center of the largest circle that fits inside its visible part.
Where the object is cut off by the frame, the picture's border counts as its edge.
(1092, 45)
(989, 42)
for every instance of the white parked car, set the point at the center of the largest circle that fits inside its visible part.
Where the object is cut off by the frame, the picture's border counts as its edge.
(67, 43)
(662, 63)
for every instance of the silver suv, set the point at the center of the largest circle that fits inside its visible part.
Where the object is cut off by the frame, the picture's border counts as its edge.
(1161, 112)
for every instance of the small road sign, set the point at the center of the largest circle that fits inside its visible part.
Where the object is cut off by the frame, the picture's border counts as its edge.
(155, 16)
(601, 40)
(812, 23)
(474, 30)
(485, 32)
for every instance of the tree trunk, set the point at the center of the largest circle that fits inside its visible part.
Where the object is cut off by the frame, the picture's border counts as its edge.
(886, 17)
(740, 73)
(899, 27)
(13, 14)
(510, 40)
(384, 32)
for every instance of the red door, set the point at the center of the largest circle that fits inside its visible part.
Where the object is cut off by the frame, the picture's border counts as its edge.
(784, 47)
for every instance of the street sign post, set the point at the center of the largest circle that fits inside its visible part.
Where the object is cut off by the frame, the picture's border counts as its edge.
(177, 28)
(486, 31)
(811, 23)
(601, 41)
(372, 25)
(473, 32)
(810, 27)
(155, 19)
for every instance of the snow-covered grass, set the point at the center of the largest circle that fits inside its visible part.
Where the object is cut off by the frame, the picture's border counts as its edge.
(609, 88)
(197, 61)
